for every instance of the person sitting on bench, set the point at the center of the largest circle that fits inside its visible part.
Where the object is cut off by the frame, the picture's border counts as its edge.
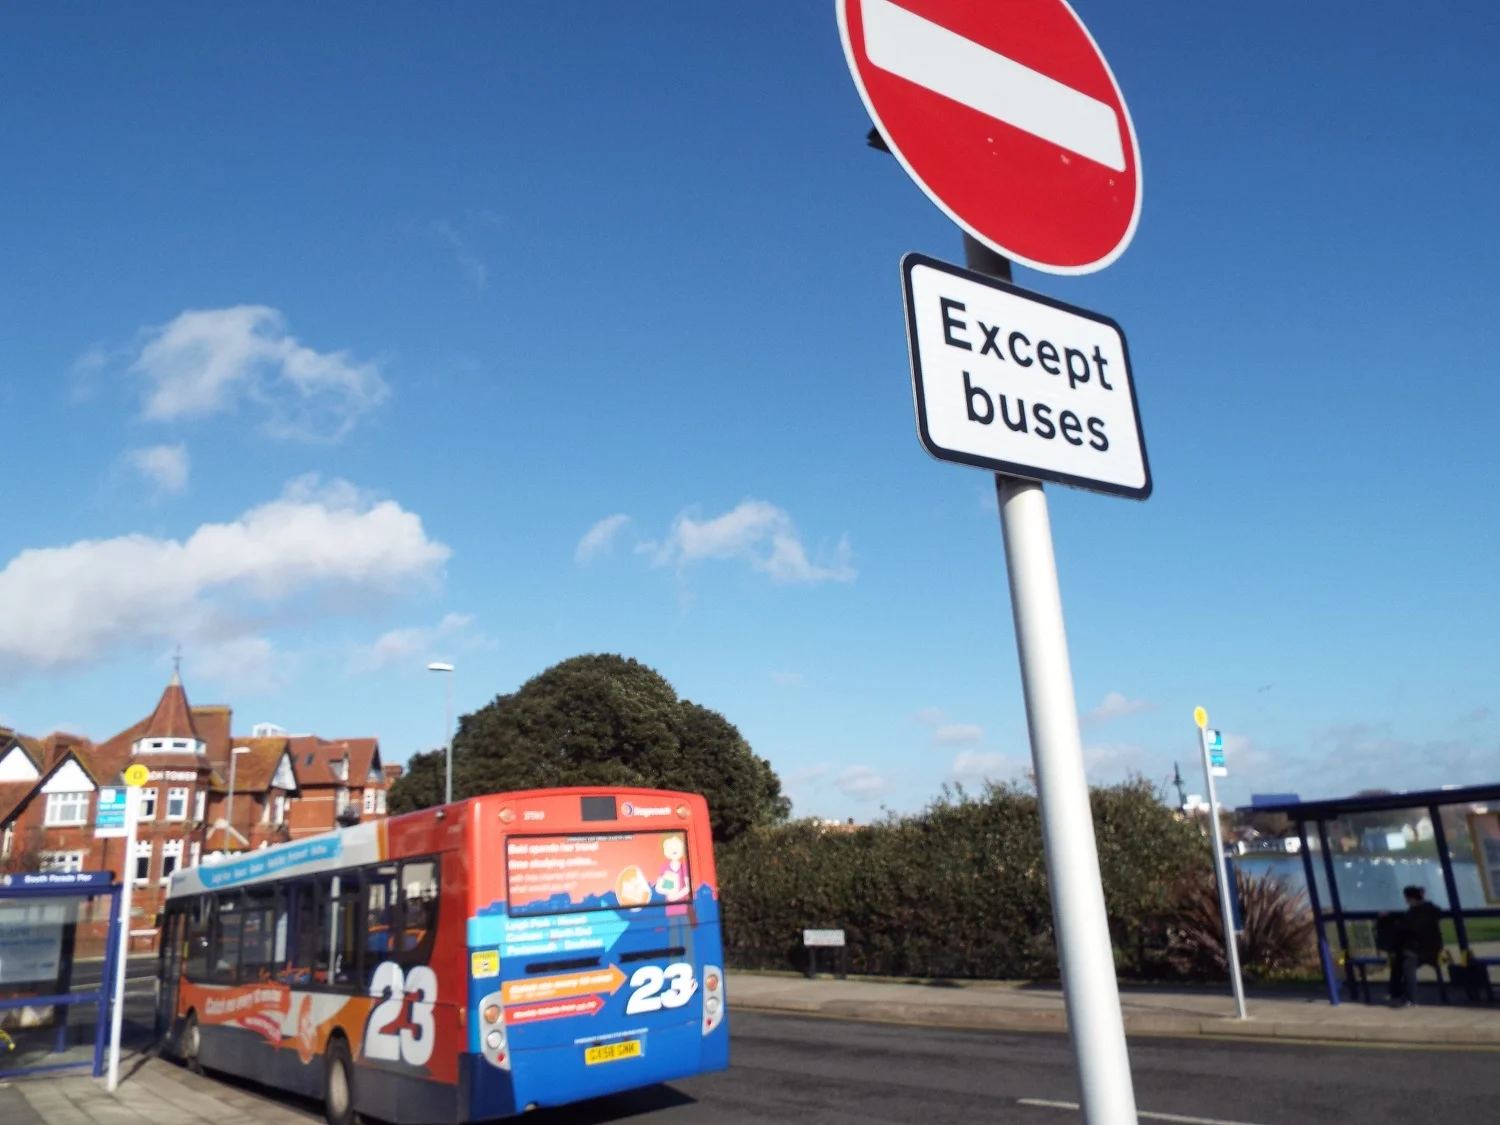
(1419, 938)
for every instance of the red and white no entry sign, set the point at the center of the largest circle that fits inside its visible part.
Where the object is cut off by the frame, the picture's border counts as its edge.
(1008, 117)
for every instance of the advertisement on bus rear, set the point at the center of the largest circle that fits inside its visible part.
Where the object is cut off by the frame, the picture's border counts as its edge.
(596, 871)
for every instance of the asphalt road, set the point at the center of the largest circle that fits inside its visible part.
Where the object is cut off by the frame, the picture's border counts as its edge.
(835, 1072)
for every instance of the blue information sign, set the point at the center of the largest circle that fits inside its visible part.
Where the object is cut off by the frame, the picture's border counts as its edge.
(109, 813)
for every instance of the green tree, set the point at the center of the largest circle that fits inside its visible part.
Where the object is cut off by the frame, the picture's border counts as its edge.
(602, 720)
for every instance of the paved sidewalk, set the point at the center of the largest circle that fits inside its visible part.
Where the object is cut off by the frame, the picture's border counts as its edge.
(1025, 1007)
(151, 1092)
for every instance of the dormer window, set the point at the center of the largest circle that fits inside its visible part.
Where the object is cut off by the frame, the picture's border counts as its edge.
(158, 745)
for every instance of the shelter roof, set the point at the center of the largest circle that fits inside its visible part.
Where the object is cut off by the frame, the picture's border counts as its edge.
(1334, 807)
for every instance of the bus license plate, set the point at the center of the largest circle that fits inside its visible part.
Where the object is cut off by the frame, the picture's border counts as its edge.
(610, 1052)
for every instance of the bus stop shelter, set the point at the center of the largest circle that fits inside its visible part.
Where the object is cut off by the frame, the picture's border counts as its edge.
(58, 935)
(1359, 853)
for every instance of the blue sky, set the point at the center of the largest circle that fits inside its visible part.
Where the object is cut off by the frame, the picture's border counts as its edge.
(332, 333)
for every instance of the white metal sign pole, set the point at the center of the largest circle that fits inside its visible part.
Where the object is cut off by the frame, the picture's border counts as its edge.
(122, 953)
(1090, 990)
(1221, 875)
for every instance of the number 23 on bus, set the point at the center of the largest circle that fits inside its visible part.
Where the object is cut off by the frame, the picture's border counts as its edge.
(458, 963)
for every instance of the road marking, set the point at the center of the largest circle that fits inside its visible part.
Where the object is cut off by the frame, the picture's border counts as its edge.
(1178, 1117)
(932, 56)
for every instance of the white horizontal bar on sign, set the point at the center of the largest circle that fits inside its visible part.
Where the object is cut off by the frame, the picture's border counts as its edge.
(946, 63)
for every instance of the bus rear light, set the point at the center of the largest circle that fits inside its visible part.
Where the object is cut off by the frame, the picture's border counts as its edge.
(492, 1014)
(494, 1040)
(713, 997)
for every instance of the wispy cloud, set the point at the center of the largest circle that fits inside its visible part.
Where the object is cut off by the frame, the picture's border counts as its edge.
(863, 783)
(403, 646)
(957, 734)
(164, 466)
(983, 765)
(1115, 705)
(209, 361)
(71, 606)
(599, 539)
(464, 254)
(756, 532)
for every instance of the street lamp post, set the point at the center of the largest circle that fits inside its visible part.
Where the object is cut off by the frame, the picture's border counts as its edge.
(233, 756)
(438, 666)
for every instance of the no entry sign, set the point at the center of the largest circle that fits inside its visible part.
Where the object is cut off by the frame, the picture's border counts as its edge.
(1007, 116)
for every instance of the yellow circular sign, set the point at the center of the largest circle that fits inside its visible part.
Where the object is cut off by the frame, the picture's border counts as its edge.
(137, 775)
(1200, 716)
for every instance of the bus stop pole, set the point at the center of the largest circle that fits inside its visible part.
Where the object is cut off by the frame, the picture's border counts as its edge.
(1085, 953)
(1221, 872)
(122, 950)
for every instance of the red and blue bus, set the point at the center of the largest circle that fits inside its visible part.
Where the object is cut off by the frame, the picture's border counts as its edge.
(459, 963)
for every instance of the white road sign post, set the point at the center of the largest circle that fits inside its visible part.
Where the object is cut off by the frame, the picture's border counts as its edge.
(136, 776)
(1207, 739)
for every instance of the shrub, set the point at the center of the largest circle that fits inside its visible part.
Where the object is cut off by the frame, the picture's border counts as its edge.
(1277, 936)
(957, 890)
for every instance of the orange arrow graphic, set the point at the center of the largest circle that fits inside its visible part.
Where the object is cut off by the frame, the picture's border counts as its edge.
(537, 989)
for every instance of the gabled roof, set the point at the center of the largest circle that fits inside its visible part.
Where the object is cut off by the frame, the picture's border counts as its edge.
(256, 768)
(172, 717)
(13, 795)
(17, 763)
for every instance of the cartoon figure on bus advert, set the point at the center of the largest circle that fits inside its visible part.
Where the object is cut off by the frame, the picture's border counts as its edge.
(632, 887)
(672, 883)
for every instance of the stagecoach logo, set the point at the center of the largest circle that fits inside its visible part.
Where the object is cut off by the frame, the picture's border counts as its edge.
(634, 810)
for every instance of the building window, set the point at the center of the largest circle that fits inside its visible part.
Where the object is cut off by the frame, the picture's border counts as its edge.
(180, 746)
(148, 804)
(143, 850)
(171, 858)
(67, 809)
(380, 801)
(341, 800)
(198, 805)
(193, 851)
(177, 798)
(278, 809)
(62, 863)
(369, 800)
(158, 744)
(5, 838)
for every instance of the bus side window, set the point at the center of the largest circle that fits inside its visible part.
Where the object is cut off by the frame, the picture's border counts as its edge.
(199, 936)
(347, 922)
(419, 899)
(228, 919)
(381, 919)
(310, 959)
(257, 933)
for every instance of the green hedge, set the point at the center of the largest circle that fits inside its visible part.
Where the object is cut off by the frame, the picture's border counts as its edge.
(957, 890)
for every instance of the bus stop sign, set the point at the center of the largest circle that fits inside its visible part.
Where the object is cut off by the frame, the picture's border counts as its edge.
(1005, 113)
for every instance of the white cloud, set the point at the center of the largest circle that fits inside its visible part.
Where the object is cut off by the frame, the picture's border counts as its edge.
(165, 466)
(759, 533)
(468, 260)
(957, 734)
(1116, 706)
(207, 361)
(405, 645)
(863, 783)
(982, 765)
(1113, 761)
(63, 607)
(248, 665)
(785, 679)
(600, 538)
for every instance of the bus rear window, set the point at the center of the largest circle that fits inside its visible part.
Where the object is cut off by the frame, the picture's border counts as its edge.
(597, 871)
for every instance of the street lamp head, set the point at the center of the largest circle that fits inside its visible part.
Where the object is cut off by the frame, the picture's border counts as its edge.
(438, 666)
(241, 750)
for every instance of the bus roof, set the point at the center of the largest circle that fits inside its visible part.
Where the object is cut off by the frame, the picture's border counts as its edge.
(329, 851)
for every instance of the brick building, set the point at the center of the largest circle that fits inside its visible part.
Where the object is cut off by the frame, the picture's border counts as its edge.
(209, 792)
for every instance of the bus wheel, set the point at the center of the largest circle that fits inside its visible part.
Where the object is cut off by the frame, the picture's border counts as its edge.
(338, 1084)
(189, 1042)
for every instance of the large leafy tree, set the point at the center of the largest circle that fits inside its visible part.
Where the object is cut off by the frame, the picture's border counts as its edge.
(602, 720)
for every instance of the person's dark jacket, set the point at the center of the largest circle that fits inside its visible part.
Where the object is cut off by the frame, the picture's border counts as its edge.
(1424, 931)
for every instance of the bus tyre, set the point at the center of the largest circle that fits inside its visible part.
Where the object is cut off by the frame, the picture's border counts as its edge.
(338, 1084)
(189, 1043)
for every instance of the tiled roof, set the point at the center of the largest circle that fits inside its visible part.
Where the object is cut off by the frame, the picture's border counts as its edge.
(255, 768)
(172, 717)
(12, 794)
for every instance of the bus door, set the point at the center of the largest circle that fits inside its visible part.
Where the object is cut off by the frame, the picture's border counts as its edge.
(169, 967)
(600, 970)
